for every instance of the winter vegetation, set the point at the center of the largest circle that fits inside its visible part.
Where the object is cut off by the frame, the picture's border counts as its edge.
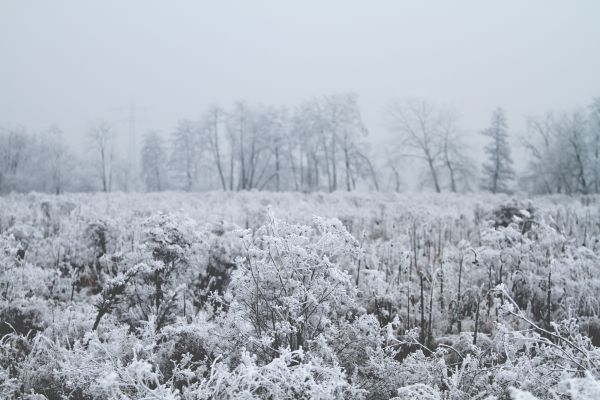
(319, 145)
(222, 295)
(274, 200)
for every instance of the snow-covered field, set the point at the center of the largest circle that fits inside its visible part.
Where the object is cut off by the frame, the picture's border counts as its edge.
(326, 296)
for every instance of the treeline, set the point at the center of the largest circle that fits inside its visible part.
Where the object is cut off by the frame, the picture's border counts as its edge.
(319, 145)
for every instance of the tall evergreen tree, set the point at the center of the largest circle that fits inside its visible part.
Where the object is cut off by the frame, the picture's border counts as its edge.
(497, 169)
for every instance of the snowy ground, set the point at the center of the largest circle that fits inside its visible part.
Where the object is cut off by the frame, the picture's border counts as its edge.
(263, 295)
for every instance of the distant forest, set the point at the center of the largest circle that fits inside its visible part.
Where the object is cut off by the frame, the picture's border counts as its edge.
(319, 145)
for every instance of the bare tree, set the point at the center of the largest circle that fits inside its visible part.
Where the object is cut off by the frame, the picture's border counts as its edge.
(417, 122)
(154, 160)
(15, 151)
(573, 128)
(306, 137)
(392, 163)
(349, 131)
(279, 135)
(362, 160)
(563, 149)
(458, 165)
(497, 170)
(273, 157)
(57, 158)
(257, 136)
(330, 141)
(264, 161)
(185, 154)
(594, 126)
(212, 124)
(544, 174)
(237, 127)
(101, 137)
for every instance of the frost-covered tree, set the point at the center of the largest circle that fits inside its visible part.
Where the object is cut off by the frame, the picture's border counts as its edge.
(328, 144)
(256, 158)
(594, 134)
(305, 142)
(101, 137)
(212, 123)
(417, 123)
(565, 153)
(497, 169)
(458, 166)
(154, 162)
(350, 132)
(573, 128)
(15, 151)
(58, 159)
(186, 149)
(430, 134)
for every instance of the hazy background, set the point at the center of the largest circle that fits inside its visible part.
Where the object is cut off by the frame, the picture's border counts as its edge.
(71, 62)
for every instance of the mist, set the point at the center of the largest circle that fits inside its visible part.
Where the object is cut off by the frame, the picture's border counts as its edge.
(274, 200)
(150, 64)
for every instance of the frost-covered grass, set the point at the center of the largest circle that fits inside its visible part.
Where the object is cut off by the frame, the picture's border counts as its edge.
(289, 295)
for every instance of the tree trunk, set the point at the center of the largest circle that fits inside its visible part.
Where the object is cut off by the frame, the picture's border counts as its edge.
(216, 149)
(459, 296)
(434, 175)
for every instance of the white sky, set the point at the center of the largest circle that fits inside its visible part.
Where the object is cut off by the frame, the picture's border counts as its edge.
(71, 62)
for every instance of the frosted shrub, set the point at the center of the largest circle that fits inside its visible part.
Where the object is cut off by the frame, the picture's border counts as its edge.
(418, 391)
(287, 376)
(157, 265)
(289, 289)
(586, 388)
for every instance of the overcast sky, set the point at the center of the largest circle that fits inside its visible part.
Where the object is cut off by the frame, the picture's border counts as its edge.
(71, 62)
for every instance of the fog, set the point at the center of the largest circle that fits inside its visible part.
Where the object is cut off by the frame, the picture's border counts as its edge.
(279, 199)
(70, 63)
